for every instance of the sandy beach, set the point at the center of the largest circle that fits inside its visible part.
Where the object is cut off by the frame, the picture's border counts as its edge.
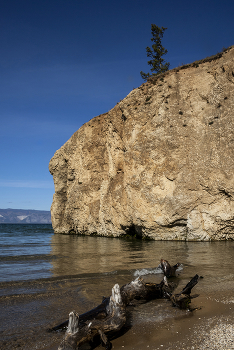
(210, 326)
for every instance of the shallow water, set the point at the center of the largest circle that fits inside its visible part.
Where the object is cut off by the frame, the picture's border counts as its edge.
(44, 276)
(25, 251)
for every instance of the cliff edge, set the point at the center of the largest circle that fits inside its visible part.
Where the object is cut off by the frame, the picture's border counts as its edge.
(160, 164)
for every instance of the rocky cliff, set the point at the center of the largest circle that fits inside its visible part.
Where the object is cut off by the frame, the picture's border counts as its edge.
(160, 164)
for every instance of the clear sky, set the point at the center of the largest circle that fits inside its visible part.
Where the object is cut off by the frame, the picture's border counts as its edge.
(63, 62)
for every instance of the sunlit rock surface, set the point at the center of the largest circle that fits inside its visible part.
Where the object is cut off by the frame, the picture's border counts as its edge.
(160, 164)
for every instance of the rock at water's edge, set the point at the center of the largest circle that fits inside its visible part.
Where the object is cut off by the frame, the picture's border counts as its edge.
(159, 164)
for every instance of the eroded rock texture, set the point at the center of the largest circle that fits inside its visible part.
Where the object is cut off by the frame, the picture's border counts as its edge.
(159, 164)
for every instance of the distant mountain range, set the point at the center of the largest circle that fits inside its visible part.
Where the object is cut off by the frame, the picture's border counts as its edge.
(21, 216)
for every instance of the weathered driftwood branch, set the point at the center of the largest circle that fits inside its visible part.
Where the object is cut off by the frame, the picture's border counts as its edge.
(77, 333)
(111, 314)
(99, 312)
(168, 270)
(141, 290)
(183, 299)
(136, 289)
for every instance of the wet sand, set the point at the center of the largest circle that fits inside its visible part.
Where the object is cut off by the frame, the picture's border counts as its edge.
(205, 328)
(153, 325)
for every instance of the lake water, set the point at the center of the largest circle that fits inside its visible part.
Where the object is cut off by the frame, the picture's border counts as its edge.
(43, 276)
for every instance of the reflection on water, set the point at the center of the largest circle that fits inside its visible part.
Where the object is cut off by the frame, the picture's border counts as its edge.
(77, 255)
(99, 255)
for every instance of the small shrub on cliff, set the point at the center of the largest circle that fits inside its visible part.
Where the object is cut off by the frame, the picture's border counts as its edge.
(157, 63)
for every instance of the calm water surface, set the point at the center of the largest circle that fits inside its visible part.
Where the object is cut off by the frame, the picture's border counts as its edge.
(32, 252)
(43, 275)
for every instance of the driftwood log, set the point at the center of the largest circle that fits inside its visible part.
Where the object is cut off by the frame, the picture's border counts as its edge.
(183, 299)
(110, 315)
(78, 333)
(168, 270)
(137, 289)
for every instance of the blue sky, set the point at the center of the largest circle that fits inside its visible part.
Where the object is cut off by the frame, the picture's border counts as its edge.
(63, 62)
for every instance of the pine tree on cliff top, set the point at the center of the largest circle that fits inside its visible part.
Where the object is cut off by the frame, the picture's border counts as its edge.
(157, 62)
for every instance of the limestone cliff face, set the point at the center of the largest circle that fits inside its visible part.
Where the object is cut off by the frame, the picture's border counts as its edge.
(159, 164)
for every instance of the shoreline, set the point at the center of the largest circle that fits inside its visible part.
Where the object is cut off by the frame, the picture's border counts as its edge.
(83, 269)
(209, 327)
